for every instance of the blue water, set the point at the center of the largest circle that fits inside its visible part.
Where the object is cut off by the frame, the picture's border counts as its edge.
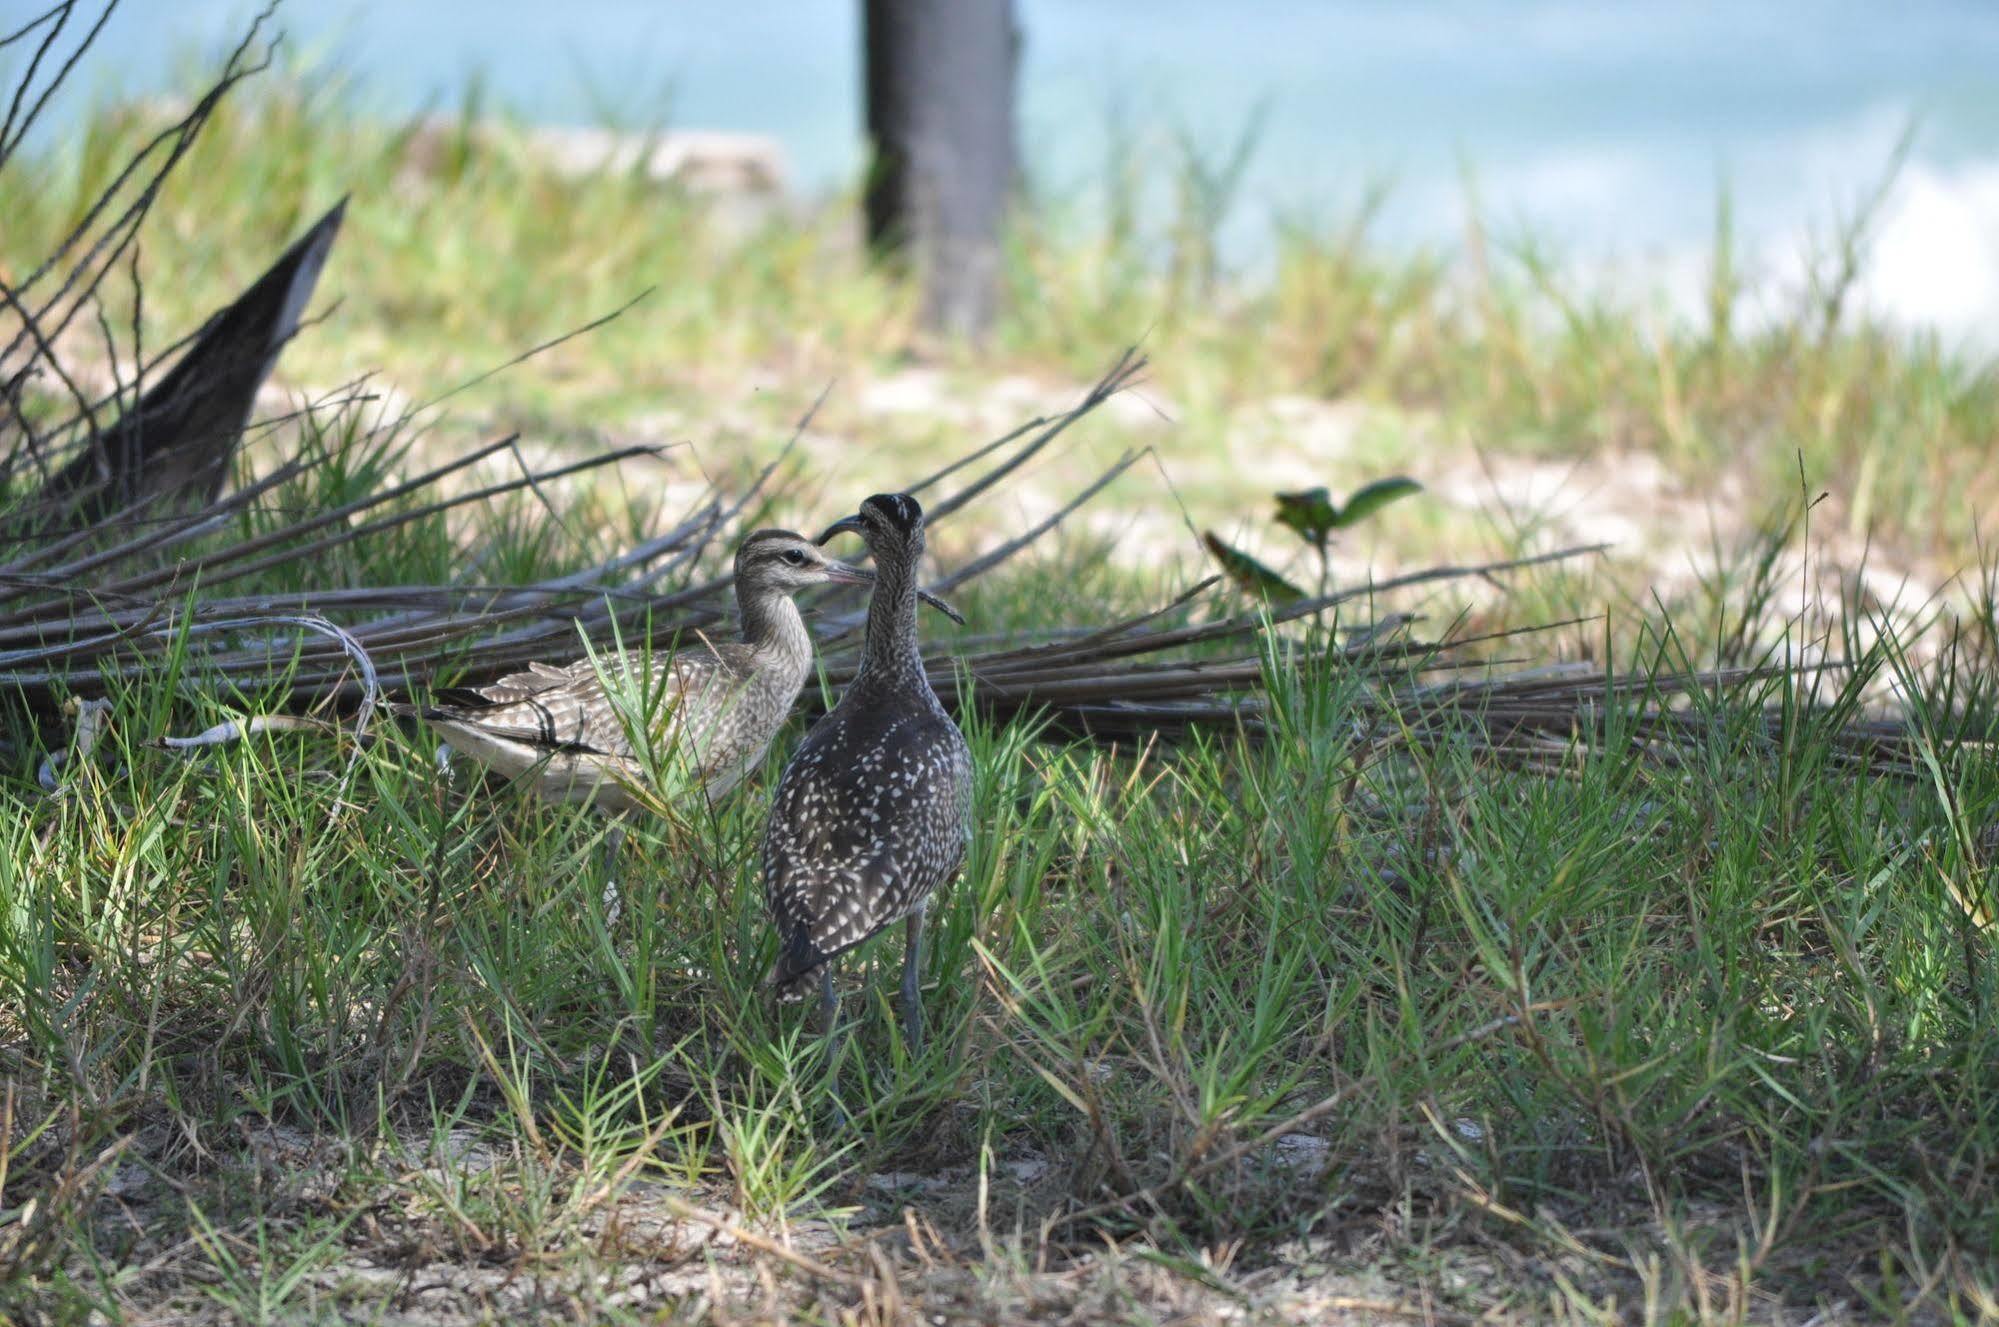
(1602, 128)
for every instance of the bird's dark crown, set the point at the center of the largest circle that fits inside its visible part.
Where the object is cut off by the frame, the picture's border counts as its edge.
(886, 520)
(895, 511)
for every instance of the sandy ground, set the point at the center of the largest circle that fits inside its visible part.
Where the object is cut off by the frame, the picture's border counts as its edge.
(374, 1239)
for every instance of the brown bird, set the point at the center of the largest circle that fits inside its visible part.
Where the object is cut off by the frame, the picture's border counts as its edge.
(711, 708)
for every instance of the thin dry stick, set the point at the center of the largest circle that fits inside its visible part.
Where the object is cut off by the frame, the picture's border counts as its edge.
(530, 353)
(16, 126)
(803, 1262)
(125, 227)
(1121, 374)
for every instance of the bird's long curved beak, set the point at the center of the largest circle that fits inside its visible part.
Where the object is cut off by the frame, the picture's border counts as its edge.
(940, 606)
(840, 573)
(845, 525)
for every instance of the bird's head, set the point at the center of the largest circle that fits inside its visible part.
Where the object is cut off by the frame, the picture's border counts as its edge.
(891, 523)
(892, 526)
(782, 562)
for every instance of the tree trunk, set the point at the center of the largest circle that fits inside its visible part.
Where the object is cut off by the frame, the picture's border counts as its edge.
(940, 82)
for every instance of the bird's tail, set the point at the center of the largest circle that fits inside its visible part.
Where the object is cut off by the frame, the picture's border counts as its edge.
(792, 989)
(796, 971)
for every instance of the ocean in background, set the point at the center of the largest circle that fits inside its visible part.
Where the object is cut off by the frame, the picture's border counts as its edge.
(1603, 131)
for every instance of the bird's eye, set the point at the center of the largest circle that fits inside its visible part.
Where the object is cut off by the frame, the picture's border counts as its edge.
(796, 557)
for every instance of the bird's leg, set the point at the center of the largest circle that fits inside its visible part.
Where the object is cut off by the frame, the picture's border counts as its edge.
(829, 1001)
(829, 1023)
(614, 842)
(912, 988)
(829, 1014)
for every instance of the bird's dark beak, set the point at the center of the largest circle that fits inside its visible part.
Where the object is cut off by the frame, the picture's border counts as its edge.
(841, 573)
(941, 606)
(845, 525)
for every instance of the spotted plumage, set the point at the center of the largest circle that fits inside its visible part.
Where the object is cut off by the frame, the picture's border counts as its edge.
(874, 810)
(711, 707)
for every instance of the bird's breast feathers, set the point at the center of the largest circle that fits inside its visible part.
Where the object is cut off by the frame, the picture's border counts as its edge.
(842, 802)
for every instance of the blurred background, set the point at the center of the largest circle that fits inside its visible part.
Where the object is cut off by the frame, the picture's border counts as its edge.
(1651, 276)
(1605, 130)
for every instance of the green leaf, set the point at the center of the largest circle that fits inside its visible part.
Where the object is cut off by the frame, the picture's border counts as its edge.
(1249, 574)
(1310, 512)
(1372, 498)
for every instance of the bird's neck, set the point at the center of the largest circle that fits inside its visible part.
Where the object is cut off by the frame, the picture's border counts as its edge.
(892, 652)
(774, 628)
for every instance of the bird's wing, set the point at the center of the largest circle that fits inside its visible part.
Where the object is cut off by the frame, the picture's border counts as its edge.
(571, 709)
(534, 680)
(848, 854)
(819, 853)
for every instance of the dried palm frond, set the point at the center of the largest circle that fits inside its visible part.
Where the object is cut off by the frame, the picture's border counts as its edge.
(131, 443)
(79, 613)
(172, 447)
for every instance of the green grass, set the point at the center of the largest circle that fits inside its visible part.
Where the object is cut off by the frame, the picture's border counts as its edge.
(1698, 1042)
(295, 1032)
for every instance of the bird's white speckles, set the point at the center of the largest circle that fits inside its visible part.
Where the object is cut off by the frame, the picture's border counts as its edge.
(873, 812)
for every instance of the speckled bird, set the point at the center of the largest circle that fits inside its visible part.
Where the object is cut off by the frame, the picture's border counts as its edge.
(712, 706)
(874, 811)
